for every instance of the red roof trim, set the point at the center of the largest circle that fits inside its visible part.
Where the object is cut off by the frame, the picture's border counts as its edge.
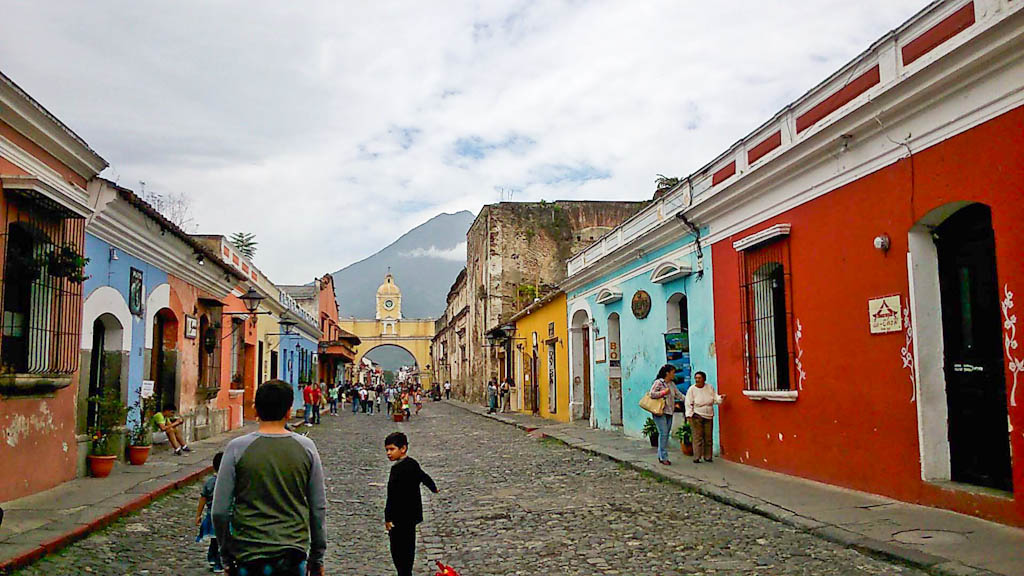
(949, 27)
(844, 95)
(767, 145)
(724, 173)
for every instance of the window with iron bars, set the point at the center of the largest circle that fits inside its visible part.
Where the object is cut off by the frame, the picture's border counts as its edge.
(766, 316)
(41, 286)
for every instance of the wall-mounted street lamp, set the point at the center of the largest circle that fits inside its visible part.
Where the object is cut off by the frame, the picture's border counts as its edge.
(251, 300)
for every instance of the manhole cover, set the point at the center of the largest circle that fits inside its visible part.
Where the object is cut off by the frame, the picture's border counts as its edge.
(928, 537)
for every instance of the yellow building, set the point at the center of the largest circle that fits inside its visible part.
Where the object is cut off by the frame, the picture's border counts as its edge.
(541, 358)
(390, 329)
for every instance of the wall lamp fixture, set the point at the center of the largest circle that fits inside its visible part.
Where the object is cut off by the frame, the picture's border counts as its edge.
(883, 242)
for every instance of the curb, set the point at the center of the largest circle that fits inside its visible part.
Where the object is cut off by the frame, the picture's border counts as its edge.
(930, 563)
(50, 546)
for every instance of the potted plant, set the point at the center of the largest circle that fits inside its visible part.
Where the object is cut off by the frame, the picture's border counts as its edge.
(110, 418)
(650, 430)
(65, 262)
(140, 436)
(396, 410)
(685, 436)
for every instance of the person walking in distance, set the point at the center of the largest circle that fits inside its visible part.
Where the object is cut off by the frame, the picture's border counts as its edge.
(664, 387)
(492, 396)
(447, 390)
(308, 396)
(506, 395)
(269, 502)
(701, 400)
(332, 398)
(404, 507)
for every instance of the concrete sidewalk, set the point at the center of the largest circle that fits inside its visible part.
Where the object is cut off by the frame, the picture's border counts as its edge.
(938, 541)
(43, 523)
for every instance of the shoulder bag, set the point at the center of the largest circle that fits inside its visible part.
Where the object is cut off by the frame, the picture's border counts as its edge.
(655, 406)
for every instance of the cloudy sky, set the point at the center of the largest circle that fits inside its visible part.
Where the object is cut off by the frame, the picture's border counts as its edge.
(330, 128)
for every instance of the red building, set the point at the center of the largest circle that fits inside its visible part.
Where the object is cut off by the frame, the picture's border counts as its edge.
(337, 347)
(45, 169)
(867, 248)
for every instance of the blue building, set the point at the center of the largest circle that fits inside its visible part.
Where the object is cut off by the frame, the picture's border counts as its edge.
(638, 298)
(134, 256)
(298, 348)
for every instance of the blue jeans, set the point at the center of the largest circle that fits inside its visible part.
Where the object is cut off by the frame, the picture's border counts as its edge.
(664, 424)
(307, 415)
(355, 405)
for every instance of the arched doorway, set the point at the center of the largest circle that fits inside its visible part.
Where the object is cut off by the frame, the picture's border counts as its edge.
(677, 339)
(104, 362)
(957, 321)
(164, 360)
(392, 358)
(580, 336)
(614, 370)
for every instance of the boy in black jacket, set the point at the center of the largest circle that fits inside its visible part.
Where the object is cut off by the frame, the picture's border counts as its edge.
(404, 509)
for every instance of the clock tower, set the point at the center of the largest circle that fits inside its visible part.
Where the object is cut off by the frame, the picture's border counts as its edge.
(389, 301)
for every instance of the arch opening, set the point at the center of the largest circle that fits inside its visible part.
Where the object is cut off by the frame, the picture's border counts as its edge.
(581, 364)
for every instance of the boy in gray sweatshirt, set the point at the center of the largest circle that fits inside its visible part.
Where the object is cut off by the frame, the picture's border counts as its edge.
(269, 502)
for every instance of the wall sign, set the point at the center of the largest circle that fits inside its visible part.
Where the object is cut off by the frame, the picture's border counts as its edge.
(191, 327)
(641, 304)
(884, 315)
(135, 292)
(147, 389)
(599, 350)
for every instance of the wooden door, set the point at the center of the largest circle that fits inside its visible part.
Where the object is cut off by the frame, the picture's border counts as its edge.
(972, 336)
(586, 372)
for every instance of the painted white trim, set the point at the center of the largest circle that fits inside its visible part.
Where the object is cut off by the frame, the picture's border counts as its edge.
(591, 274)
(918, 102)
(609, 295)
(667, 271)
(67, 194)
(761, 237)
(36, 123)
(158, 299)
(774, 395)
(106, 300)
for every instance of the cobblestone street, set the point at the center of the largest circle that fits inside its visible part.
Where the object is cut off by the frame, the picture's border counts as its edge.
(509, 504)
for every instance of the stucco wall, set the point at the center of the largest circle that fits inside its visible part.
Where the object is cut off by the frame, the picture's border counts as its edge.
(537, 322)
(643, 340)
(856, 423)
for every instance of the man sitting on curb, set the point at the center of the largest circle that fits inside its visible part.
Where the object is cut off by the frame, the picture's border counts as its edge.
(166, 422)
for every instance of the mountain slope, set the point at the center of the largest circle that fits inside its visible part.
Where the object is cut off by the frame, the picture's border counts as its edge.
(424, 262)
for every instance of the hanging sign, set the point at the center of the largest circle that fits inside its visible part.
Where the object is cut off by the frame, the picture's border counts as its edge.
(884, 315)
(147, 389)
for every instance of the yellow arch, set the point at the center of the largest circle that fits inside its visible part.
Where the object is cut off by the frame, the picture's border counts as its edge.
(414, 336)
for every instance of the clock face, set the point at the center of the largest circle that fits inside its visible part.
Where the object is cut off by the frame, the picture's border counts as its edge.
(389, 304)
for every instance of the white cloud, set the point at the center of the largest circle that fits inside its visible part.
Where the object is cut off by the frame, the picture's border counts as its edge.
(457, 253)
(330, 128)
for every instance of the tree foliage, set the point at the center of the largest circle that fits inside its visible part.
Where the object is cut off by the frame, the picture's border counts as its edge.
(665, 183)
(245, 242)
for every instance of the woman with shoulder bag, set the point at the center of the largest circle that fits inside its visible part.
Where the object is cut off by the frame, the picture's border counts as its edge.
(664, 387)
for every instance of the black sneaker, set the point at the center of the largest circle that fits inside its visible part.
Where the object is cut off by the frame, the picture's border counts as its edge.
(186, 449)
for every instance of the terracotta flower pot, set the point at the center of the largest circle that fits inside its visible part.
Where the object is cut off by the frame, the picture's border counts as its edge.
(398, 417)
(138, 455)
(687, 448)
(100, 466)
